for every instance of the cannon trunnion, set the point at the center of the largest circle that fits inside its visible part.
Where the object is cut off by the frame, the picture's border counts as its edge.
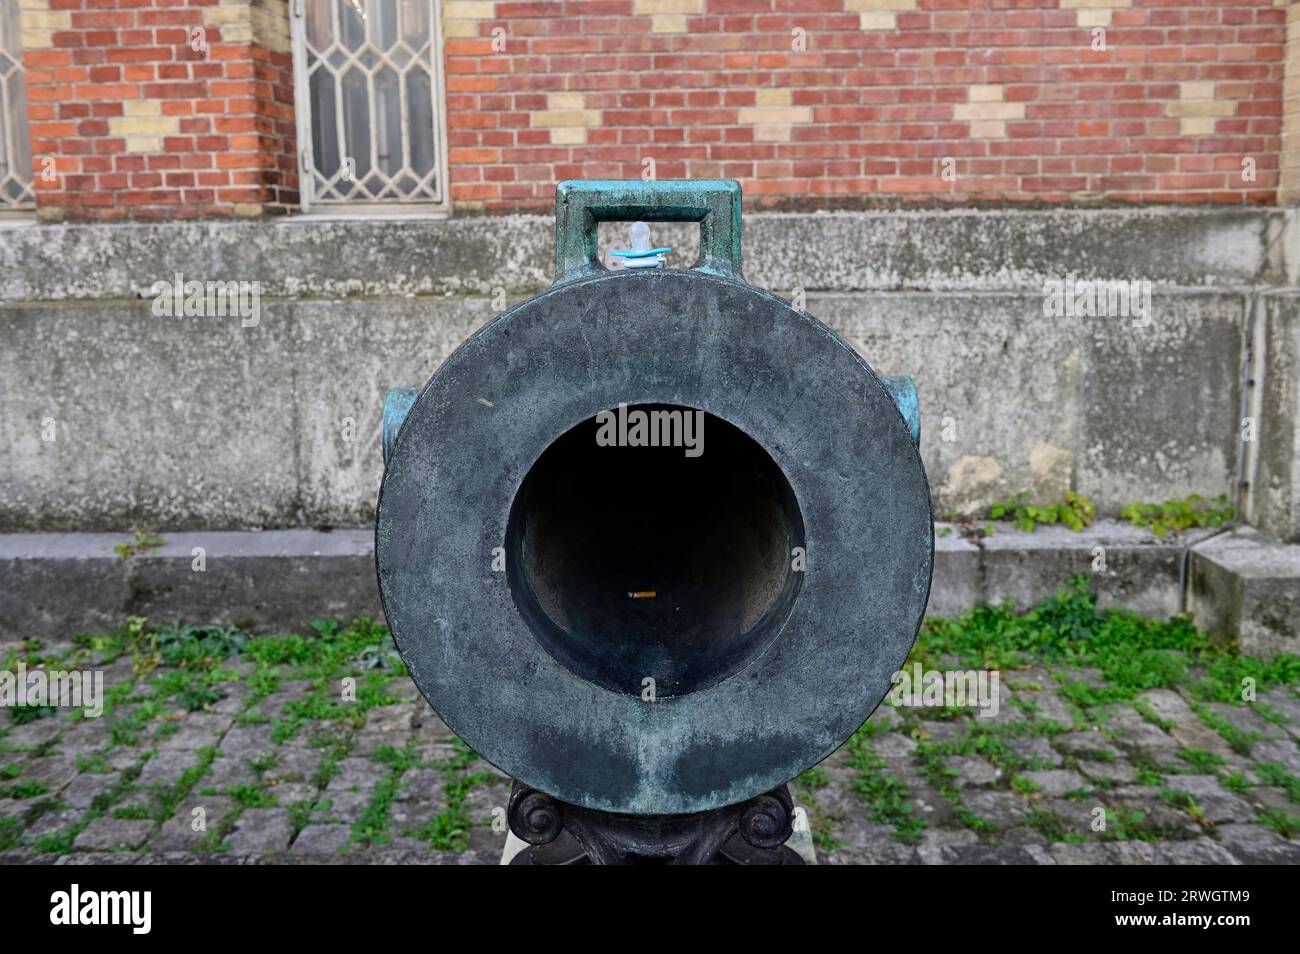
(653, 636)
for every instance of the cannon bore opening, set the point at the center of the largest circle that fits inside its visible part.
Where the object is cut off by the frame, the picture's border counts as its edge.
(651, 562)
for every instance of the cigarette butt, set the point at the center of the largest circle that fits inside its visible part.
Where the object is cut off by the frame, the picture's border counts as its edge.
(642, 595)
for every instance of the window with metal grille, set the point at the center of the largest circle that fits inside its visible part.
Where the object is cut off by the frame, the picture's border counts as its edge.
(15, 143)
(369, 91)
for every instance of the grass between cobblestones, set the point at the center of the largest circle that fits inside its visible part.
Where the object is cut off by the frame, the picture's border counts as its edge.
(1112, 729)
(162, 677)
(1078, 677)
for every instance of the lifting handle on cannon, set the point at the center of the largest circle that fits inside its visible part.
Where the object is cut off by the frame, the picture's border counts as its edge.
(580, 206)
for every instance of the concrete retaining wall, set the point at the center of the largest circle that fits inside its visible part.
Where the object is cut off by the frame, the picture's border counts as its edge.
(280, 580)
(1275, 341)
(954, 249)
(175, 423)
(1239, 585)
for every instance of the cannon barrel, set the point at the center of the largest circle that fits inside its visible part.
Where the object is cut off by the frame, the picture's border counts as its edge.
(654, 541)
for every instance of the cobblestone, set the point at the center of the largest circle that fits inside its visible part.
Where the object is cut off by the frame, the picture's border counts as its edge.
(282, 772)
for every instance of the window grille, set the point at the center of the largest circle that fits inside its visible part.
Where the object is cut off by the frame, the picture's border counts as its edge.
(15, 142)
(370, 102)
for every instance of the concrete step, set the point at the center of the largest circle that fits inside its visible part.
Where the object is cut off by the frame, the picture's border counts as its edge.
(270, 580)
(1240, 584)
(1248, 585)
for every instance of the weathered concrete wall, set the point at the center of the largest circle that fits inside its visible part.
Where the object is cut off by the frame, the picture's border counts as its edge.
(957, 249)
(1012, 400)
(53, 584)
(56, 584)
(199, 423)
(1276, 492)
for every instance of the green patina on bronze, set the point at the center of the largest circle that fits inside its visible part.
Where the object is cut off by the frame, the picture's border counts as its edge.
(790, 564)
(581, 205)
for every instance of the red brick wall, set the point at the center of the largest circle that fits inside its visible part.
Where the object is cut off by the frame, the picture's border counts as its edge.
(883, 92)
(141, 125)
(1011, 90)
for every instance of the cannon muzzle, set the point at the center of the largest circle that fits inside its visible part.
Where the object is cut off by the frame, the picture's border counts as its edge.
(654, 541)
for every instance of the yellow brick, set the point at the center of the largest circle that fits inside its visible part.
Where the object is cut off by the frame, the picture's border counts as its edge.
(773, 115)
(271, 27)
(248, 210)
(1200, 126)
(773, 97)
(142, 107)
(241, 23)
(652, 7)
(37, 40)
(468, 10)
(1094, 4)
(771, 133)
(564, 101)
(568, 136)
(989, 111)
(988, 130)
(1199, 109)
(144, 125)
(221, 16)
(241, 32)
(45, 20)
(985, 94)
(565, 117)
(668, 24)
(855, 6)
(876, 21)
(143, 144)
(1202, 89)
(459, 28)
(1094, 18)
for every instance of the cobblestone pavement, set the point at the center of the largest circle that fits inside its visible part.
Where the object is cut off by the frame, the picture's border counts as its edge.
(262, 756)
